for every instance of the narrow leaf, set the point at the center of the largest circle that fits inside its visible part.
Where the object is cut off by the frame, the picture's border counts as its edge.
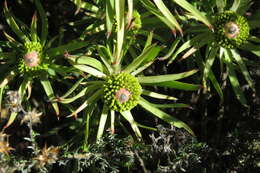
(120, 18)
(13, 25)
(49, 92)
(177, 85)
(234, 81)
(128, 116)
(165, 11)
(187, 6)
(102, 121)
(11, 119)
(150, 52)
(90, 70)
(44, 22)
(157, 95)
(73, 45)
(164, 116)
(165, 78)
(90, 100)
(243, 68)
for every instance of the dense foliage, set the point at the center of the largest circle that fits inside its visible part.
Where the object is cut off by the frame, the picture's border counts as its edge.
(129, 86)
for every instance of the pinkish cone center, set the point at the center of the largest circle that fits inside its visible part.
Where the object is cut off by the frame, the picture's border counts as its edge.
(123, 95)
(31, 59)
(231, 30)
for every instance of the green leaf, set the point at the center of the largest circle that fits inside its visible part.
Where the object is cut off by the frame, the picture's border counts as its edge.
(142, 68)
(149, 53)
(72, 88)
(168, 15)
(150, 6)
(234, 81)
(196, 13)
(1, 96)
(177, 85)
(164, 116)
(90, 70)
(93, 98)
(165, 78)
(216, 84)
(13, 25)
(86, 60)
(109, 16)
(44, 22)
(242, 67)
(73, 45)
(102, 121)
(197, 42)
(106, 57)
(255, 49)
(11, 119)
(209, 61)
(34, 28)
(254, 39)
(22, 89)
(120, 18)
(86, 5)
(129, 117)
(148, 40)
(82, 93)
(49, 92)
(157, 95)
(174, 105)
(172, 49)
(130, 12)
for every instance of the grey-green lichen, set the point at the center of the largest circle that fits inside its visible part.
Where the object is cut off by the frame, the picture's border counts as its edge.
(231, 29)
(121, 92)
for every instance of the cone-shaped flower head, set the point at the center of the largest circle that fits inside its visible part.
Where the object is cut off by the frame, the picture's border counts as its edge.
(231, 29)
(121, 92)
(31, 58)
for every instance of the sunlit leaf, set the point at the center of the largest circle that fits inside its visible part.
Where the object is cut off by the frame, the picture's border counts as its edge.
(90, 70)
(49, 92)
(73, 45)
(11, 119)
(234, 80)
(102, 121)
(168, 15)
(166, 77)
(177, 85)
(149, 53)
(164, 116)
(13, 25)
(129, 117)
(44, 22)
(187, 6)
(157, 95)
(243, 68)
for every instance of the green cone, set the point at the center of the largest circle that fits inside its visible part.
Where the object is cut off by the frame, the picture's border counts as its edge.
(30, 61)
(231, 29)
(122, 92)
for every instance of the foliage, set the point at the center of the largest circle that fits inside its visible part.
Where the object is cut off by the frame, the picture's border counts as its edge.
(136, 86)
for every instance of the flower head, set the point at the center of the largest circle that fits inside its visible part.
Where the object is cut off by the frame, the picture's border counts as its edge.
(31, 61)
(232, 30)
(14, 101)
(122, 92)
(48, 156)
(32, 116)
(4, 144)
